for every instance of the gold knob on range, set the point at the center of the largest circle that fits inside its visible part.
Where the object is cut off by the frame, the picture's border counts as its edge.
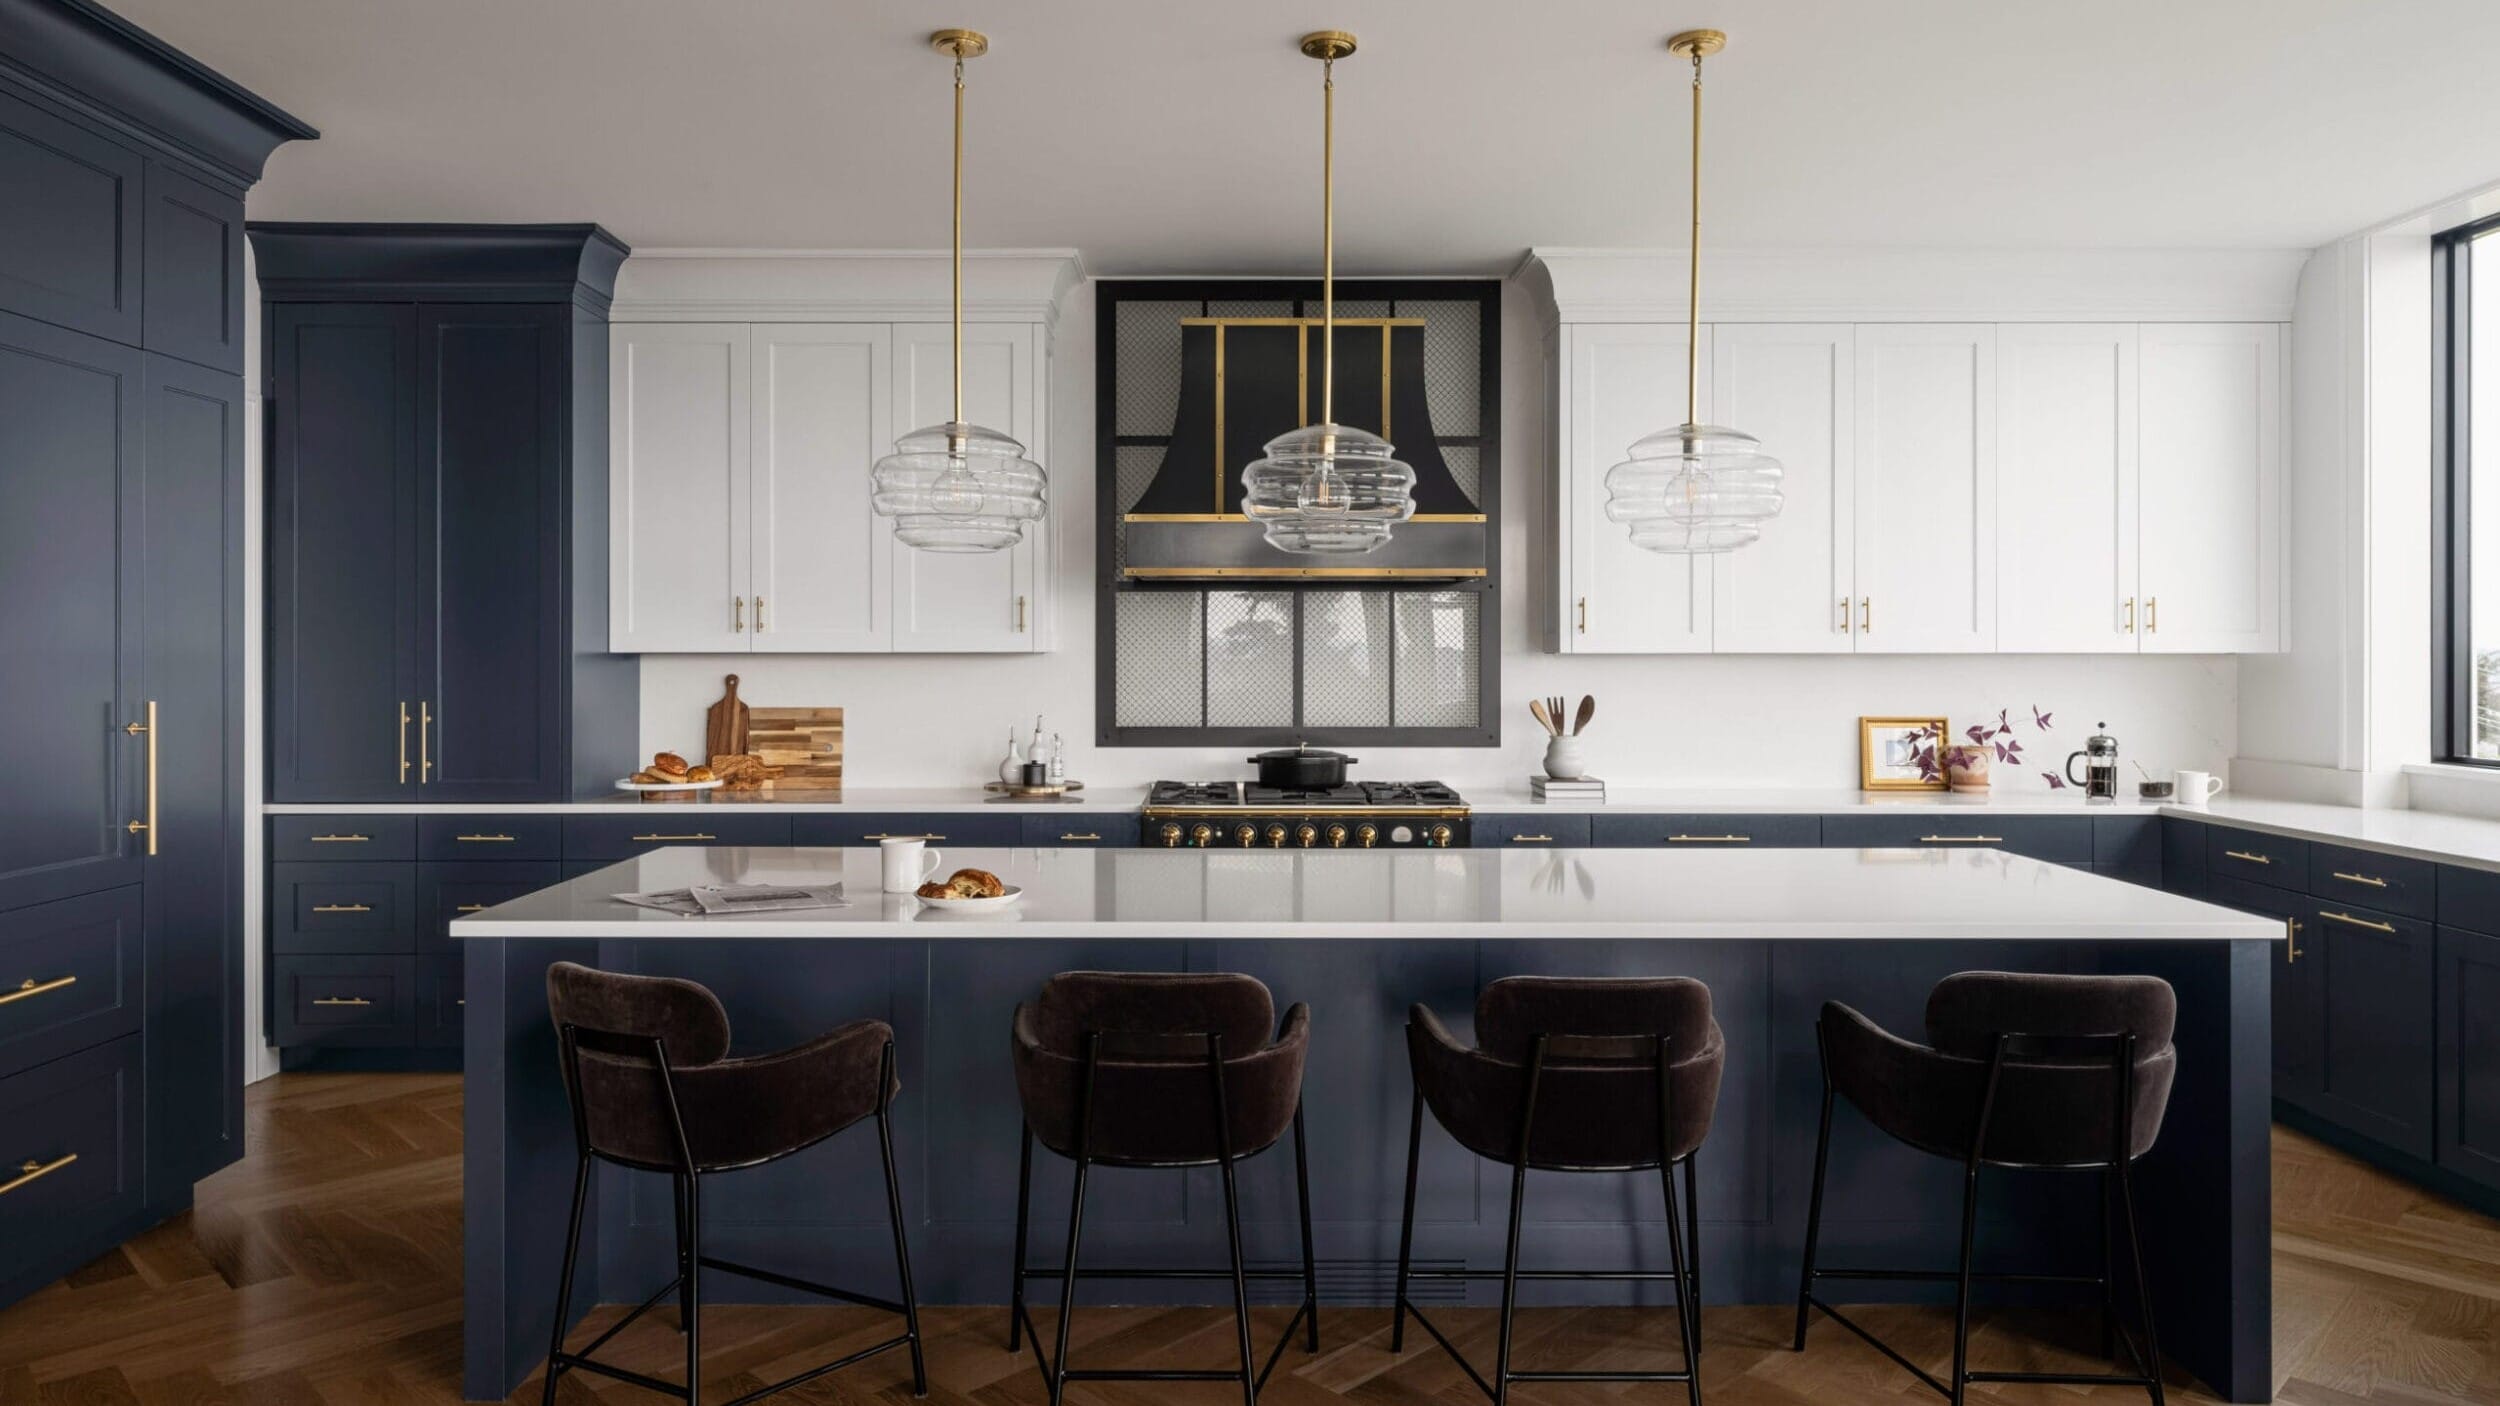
(1246, 835)
(1171, 835)
(1336, 836)
(1367, 834)
(1306, 835)
(1276, 836)
(1199, 835)
(1441, 836)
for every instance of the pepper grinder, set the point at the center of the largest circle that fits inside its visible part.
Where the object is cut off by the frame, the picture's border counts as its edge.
(2100, 766)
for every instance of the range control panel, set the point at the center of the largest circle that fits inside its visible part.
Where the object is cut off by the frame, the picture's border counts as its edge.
(1305, 830)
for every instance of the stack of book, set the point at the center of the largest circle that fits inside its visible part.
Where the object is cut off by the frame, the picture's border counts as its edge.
(1554, 788)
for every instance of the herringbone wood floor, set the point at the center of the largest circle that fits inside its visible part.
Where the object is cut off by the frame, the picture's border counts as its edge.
(324, 1270)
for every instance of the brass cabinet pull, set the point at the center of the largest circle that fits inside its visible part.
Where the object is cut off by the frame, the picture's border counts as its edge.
(2370, 879)
(698, 835)
(2291, 941)
(403, 742)
(1961, 839)
(2356, 922)
(759, 615)
(1584, 615)
(470, 908)
(483, 839)
(1080, 837)
(133, 730)
(2131, 615)
(30, 1170)
(881, 835)
(460, 1000)
(425, 747)
(1531, 839)
(32, 987)
(1844, 615)
(340, 839)
(341, 1001)
(1021, 604)
(737, 614)
(342, 907)
(2243, 854)
(2152, 615)
(1709, 839)
(1866, 615)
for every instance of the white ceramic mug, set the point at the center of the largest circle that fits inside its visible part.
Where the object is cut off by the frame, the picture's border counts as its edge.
(908, 862)
(2196, 787)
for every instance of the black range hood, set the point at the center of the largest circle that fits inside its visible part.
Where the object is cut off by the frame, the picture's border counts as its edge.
(1246, 380)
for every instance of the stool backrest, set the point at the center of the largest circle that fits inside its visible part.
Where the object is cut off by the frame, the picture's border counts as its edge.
(1512, 1012)
(1968, 1010)
(1073, 1005)
(612, 1024)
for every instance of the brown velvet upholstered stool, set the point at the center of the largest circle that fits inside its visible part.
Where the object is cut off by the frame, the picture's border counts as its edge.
(1163, 1070)
(646, 1066)
(1571, 1075)
(2018, 1071)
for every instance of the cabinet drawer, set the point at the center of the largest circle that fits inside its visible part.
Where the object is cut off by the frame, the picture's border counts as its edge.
(1707, 831)
(346, 1000)
(614, 837)
(2267, 859)
(2469, 899)
(448, 891)
(2059, 839)
(1539, 829)
(331, 839)
(70, 1149)
(2387, 882)
(439, 1002)
(846, 831)
(490, 837)
(342, 907)
(1083, 830)
(69, 976)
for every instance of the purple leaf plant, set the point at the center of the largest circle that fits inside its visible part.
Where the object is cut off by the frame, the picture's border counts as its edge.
(1999, 738)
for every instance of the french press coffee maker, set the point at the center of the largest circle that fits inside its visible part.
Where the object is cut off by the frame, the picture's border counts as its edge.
(2100, 766)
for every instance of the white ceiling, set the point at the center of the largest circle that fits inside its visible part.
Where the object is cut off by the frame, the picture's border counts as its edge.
(1183, 136)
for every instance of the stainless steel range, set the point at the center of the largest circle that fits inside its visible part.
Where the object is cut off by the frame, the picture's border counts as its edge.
(1356, 815)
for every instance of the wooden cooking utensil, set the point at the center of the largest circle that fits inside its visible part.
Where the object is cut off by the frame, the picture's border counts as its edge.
(1544, 719)
(725, 724)
(1588, 710)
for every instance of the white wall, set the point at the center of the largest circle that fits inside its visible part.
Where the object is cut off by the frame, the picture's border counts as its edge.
(1768, 721)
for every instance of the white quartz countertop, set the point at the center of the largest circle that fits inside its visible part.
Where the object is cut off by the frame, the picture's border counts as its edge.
(1832, 894)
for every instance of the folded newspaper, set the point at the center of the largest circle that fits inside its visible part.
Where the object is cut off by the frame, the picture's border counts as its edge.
(739, 898)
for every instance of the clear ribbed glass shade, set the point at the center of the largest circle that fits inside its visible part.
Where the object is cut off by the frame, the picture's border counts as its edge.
(1328, 490)
(959, 488)
(1695, 488)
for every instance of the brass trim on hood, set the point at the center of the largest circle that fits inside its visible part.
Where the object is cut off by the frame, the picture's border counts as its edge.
(1245, 517)
(1295, 572)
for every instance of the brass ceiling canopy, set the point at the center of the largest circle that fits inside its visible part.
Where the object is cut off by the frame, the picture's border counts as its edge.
(960, 43)
(1327, 45)
(1697, 43)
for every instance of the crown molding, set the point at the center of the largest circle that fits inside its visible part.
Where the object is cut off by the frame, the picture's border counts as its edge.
(843, 285)
(1916, 285)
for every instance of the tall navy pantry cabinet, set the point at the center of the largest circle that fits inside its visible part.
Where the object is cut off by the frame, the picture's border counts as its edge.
(122, 172)
(438, 529)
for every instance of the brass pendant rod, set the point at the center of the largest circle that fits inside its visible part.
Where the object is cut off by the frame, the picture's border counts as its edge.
(1328, 243)
(1692, 287)
(959, 237)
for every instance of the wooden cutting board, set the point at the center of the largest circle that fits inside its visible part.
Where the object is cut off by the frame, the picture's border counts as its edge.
(805, 742)
(725, 724)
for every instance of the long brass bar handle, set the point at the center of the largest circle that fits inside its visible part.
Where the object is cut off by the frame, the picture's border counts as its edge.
(1531, 839)
(737, 614)
(425, 745)
(2356, 922)
(342, 907)
(2291, 941)
(2131, 615)
(341, 839)
(1022, 610)
(403, 742)
(133, 730)
(31, 1170)
(1584, 615)
(470, 908)
(1866, 615)
(649, 839)
(1844, 615)
(32, 987)
(1961, 839)
(1080, 837)
(341, 1001)
(483, 839)
(2152, 615)
(881, 835)
(1709, 839)
(759, 615)
(2243, 854)
(2371, 879)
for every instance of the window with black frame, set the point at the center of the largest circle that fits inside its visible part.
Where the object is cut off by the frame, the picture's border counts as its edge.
(2469, 539)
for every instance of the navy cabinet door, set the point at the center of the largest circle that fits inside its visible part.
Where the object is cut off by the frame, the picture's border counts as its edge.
(491, 381)
(2469, 1055)
(2381, 1037)
(2299, 993)
(343, 589)
(194, 269)
(71, 431)
(70, 219)
(192, 648)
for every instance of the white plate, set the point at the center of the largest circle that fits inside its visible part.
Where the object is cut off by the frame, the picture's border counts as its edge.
(712, 785)
(975, 905)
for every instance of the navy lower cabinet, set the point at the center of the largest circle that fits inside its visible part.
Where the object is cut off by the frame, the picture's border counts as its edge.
(1551, 830)
(1608, 831)
(2057, 839)
(2377, 1069)
(2128, 847)
(609, 838)
(2468, 1114)
(1091, 830)
(989, 829)
(2183, 867)
(2299, 991)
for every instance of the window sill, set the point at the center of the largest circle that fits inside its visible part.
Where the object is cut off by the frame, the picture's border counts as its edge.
(2453, 787)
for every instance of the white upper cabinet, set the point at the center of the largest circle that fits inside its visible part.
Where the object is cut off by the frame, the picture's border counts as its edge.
(969, 601)
(1789, 385)
(820, 577)
(1925, 461)
(2066, 488)
(2211, 509)
(677, 510)
(1620, 383)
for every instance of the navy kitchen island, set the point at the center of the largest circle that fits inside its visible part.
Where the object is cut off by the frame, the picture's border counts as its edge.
(1362, 936)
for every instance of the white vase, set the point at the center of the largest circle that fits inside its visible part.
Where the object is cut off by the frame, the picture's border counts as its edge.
(1563, 760)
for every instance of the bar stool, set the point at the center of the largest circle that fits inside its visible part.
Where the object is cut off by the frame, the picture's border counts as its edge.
(646, 1067)
(2029, 1071)
(1162, 1070)
(1571, 1075)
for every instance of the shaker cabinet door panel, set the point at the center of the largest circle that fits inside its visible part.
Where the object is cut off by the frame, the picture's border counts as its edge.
(968, 602)
(71, 215)
(2469, 1055)
(1925, 461)
(344, 641)
(2377, 1074)
(678, 486)
(822, 577)
(1624, 382)
(2066, 488)
(70, 558)
(1789, 385)
(194, 270)
(2212, 511)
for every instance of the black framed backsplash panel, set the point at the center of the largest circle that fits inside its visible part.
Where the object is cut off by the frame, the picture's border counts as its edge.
(1262, 660)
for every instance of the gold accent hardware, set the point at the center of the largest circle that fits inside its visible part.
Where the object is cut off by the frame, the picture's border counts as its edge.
(30, 1169)
(1247, 835)
(1297, 321)
(1245, 517)
(133, 730)
(1304, 812)
(1441, 836)
(341, 1001)
(2152, 615)
(2243, 854)
(1306, 834)
(470, 908)
(483, 839)
(737, 615)
(1021, 604)
(1531, 839)
(1584, 615)
(2291, 941)
(1961, 839)
(1844, 615)
(2131, 615)
(759, 615)
(2356, 922)
(2371, 879)
(425, 746)
(880, 835)
(1276, 836)
(460, 1000)
(960, 43)
(344, 839)
(1073, 836)
(1866, 615)
(1171, 836)
(1219, 409)
(32, 987)
(1283, 572)
(698, 835)
(342, 907)
(403, 742)
(1366, 834)
(1336, 836)
(1709, 839)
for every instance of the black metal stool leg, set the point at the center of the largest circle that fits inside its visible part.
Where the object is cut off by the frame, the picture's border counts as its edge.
(1310, 1259)
(693, 1289)
(1232, 1220)
(1687, 1313)
(1067, 1287)
(1692, 1235)
(1961, 1286)
(1406, 1225)
(1814, 1206)
(894, 1212)
(2143, 1286)
(564, 1284)
(685, 1265)
(2108, 1189)
(1024, 1211)
(1518, 1205)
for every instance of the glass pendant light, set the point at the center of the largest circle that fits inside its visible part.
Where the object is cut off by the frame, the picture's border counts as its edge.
(1328, 489)
(1694, 488)
(959, 487)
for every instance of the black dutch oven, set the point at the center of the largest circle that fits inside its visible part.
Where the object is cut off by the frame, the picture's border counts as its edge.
(1301, 767)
